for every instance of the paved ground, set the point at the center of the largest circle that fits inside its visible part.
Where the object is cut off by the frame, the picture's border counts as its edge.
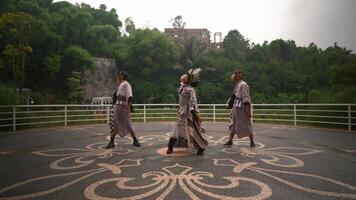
(288, 163)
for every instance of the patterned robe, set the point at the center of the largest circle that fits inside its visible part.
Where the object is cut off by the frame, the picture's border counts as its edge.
(187, 125)
(240, 124)
(120, 117)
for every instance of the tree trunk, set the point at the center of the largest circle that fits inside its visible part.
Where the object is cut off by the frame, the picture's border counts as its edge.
(22, 71)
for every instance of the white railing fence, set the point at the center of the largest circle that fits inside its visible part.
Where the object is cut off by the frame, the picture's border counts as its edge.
(17, 117)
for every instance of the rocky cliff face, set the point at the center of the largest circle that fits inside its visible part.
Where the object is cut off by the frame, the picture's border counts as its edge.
(101, 81)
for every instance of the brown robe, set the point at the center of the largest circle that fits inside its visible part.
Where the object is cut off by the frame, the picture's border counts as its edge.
(240, 123)
(120, 117)
(188, 125)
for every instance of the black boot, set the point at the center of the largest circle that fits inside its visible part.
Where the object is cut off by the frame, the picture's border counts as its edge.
(170, 145)
(136, 143)
(111, 144)
(228, 143)
(200, 151)
(252, 144)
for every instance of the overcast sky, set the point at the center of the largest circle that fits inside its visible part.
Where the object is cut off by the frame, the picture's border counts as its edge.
(304, 21)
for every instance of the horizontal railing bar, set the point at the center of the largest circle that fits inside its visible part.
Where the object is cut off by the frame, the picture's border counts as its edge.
(84, 120)
(160, 109)
(159, 114)
(263, 119)
(5, 113)
(222, 118)
(271, 109)
(32, 123)
(340, 111)
(39, 117)
(5, 125)
(86, 110)
(32, 106)
(87, 105)
(4, 119)
(164, 104)
(39, 111)
(267, 105)
(322, 116)
(97, 115)
(221, 109)
(222, 113)
(322, 122)
(273, 114)
(326, 104)
(161, 117)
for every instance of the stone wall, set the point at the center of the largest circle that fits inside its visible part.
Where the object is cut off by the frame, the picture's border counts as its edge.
(101, 81)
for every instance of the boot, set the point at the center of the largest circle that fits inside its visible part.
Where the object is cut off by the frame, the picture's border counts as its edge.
(136, 143)
(228, 143)
(111, 144)
(170, 145)
(252, 144)
(200, 151)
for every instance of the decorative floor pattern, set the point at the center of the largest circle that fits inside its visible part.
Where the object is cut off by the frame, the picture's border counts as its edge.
(237, 172)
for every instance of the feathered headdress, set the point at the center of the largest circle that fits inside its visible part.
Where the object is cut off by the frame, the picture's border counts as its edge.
(194, 75)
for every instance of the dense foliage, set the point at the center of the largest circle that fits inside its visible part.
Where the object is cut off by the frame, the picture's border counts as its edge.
(46, 46)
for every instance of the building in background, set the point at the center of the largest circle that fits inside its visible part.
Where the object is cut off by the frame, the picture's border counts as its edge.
(217, 40)
(179, 35)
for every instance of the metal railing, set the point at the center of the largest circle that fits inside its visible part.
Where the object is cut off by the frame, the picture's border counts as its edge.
(17, 117)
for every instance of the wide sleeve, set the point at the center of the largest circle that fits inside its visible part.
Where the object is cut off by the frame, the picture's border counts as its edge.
(193, 103)
(245, 92)
(128, 90)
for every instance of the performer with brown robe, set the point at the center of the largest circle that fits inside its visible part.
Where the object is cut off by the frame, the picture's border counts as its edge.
(188, 123)
(120, 118)
(240, 117)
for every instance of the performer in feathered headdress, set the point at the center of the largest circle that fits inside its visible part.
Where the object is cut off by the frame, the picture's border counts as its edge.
(188, 123)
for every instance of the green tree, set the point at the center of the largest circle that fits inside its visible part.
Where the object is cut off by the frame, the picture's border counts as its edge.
(76, 93)
(169, 98)
(192, 52)
(177, 22)
(99, 37)
(145, 53)
(77, 59)
(236, 46)
(16, 30)
(129, 25)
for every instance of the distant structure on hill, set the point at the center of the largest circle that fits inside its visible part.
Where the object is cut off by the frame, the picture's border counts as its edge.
(217, 40)
(179, 35)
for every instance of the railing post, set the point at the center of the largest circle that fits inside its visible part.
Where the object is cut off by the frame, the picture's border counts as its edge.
(107, 114)
(295, 115)
(65, 115)
(214, 113)
(144, 113)
(252, 114)
(14, 118)
(349, 116)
